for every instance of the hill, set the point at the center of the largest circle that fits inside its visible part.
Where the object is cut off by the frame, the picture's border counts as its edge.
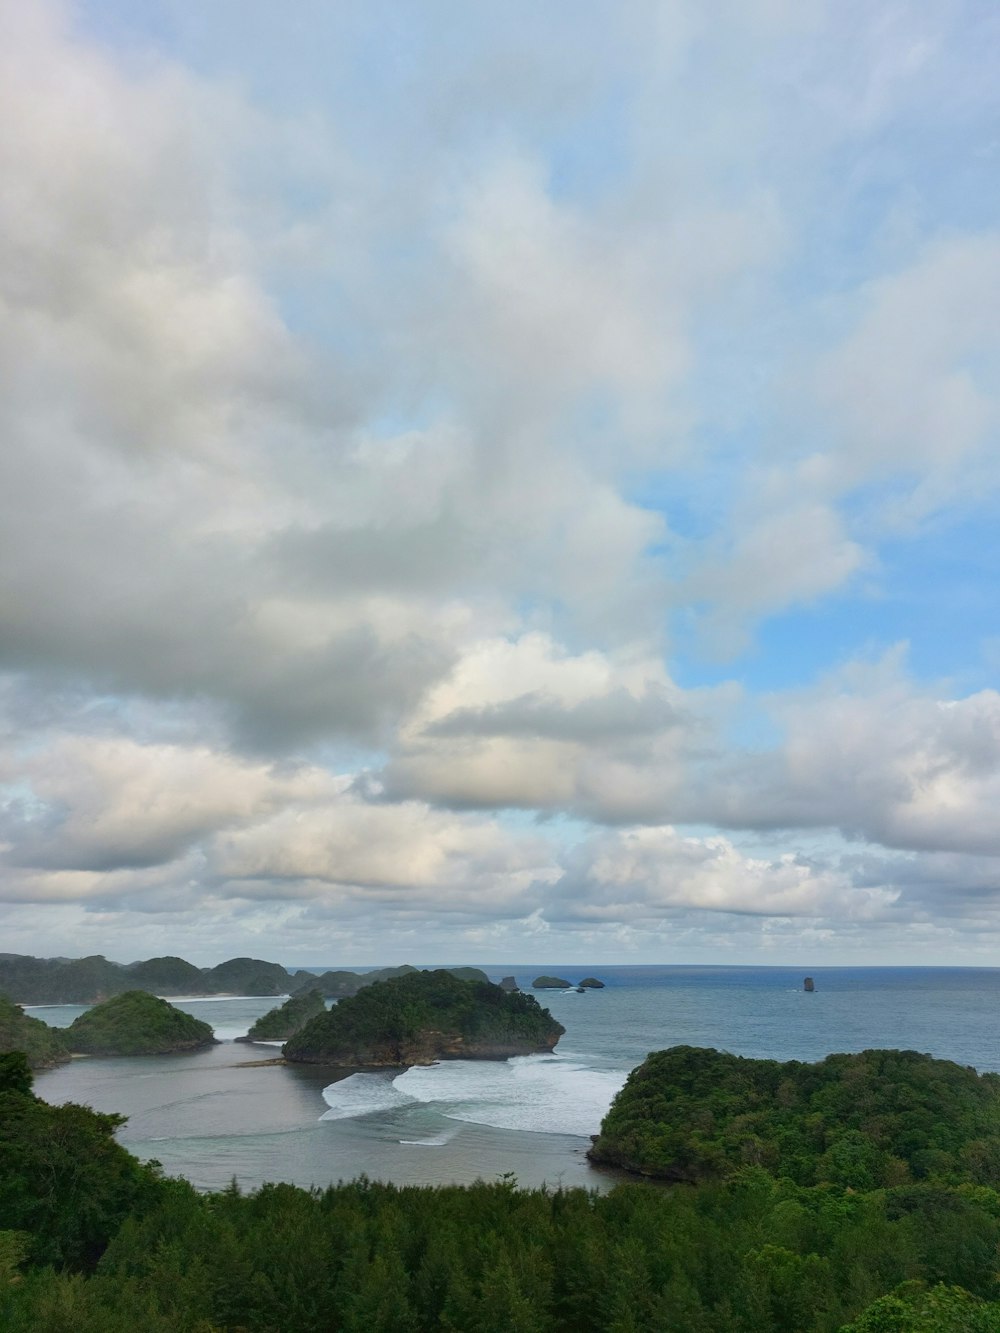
(136, 1023)
(281, 1023)
(877, 1119)
(43, 1046)
(423, 1017)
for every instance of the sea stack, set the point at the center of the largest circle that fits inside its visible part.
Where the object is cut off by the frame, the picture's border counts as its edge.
(809, 984)
(508, 983)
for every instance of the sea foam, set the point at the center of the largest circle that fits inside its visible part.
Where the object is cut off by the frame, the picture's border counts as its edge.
(546, 1094)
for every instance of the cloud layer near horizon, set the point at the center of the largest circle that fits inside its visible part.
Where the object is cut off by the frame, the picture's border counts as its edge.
(469, 496)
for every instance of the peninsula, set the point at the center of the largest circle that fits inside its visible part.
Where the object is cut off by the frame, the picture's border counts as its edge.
(422, 1017)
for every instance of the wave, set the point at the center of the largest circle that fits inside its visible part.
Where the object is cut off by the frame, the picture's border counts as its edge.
(362, 1094)
(537, 1094)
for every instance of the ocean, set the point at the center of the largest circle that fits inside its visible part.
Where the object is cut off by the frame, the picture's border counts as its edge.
(219, 1114)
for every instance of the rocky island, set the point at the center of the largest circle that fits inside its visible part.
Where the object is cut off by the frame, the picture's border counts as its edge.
(551, 983)
(283, 1022)
(875, 1120)
(43, 1046)
(423, 1017)
(136, 1023)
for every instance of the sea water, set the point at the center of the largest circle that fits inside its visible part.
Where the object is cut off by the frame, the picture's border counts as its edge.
(218, 1114)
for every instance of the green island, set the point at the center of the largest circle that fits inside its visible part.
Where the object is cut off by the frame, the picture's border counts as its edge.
(868, 1121)
(551, 983)
(422, 1017)
(282, 1022)
(592, 983)
(110, 1246)
(43, 1046)
(136, 1023)
(90, 980)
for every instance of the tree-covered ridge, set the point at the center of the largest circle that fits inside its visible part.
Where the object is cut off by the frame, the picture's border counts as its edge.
(91, 1241)
(280, 1023)
(136, 1023)
(43, 1046)
(422, 1017)
(89, 980)
(876, 1119)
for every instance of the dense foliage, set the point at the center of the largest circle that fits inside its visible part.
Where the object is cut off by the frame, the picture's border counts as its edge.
(425, 1015)
(136, 1023)
(880, 1118)
(286, 1019)
(93, 1242)
(44, 1046)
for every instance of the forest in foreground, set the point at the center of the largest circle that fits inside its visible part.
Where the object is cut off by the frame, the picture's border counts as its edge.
(93, 1241)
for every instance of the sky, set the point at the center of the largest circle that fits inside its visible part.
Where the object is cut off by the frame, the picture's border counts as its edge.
(500, 482)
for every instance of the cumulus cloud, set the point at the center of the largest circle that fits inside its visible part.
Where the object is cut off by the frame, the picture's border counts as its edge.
(376, 449)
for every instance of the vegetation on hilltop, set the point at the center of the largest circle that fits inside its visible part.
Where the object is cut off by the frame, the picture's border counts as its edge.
(285, 1020)
(867, 1121)
(425, 1016)
(91, 1241)
(43, 1046)
(551, 983)
(136, 1023)
(166, 976)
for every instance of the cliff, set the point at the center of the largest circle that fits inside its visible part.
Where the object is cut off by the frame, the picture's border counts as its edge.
(423, 1017)
(135, 1023)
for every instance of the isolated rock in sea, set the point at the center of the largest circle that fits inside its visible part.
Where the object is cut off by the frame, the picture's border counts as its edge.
(809, 984)
(421, 1018)
(551, 983)
(591, 983)
(508, 983)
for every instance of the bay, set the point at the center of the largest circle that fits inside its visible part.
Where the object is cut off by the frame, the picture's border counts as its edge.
(219, 1114)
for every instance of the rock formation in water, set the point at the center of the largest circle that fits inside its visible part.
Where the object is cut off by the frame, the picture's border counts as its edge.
(809, 984)
(591, 983)
(551, 983)
(136, 1023)
(424, 1017)
(509, 983)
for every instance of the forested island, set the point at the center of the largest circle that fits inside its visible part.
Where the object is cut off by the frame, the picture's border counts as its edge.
(109, 1246)
(282, 1022)
(43, 1046)
(423, 1017)
(136, 1023)
(28, 980)
(869, 1121)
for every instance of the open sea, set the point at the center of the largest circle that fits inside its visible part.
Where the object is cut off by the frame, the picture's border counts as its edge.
(216, 1115)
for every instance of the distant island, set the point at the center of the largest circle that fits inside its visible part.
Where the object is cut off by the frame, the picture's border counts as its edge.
(136, 1023)
(423, 1017)
(870, 1121)
(29, 980)
(560, 983)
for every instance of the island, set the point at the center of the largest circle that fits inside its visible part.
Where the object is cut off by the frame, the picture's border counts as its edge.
(283, 1022)
(423, 1017)
(42, 1046)
(869, 1121)
(591, 983)
(551, 983)
(136, 1023)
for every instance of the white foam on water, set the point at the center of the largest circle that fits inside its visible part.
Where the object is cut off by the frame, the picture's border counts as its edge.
(362, 1094)
(435, 1140)
(547, 1094)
